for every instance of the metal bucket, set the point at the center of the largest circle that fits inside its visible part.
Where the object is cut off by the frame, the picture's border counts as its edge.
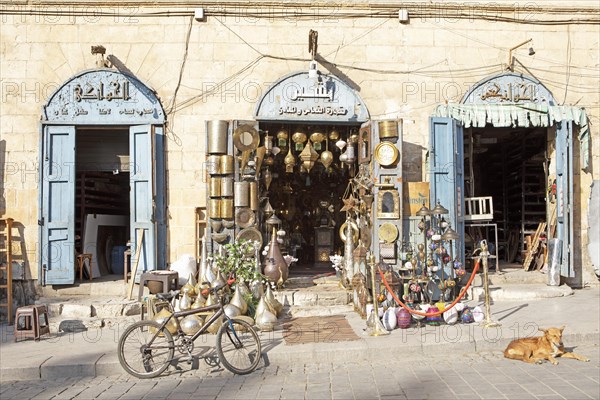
(226, 165)
(213, 164)
(214, 208)
(254, 202)
(240, 191)
(227, 186)
(554, 261)
(214, 187)
(388, 129)
(227, 208)
(216, 132)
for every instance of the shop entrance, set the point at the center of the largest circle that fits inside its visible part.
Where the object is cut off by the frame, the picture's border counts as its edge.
(308, 202)
(102, 200)
(510, 166)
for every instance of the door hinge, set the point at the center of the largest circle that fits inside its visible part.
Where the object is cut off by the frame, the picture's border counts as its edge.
(41, 222)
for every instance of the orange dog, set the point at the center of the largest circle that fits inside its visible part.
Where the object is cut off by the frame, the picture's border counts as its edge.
(538, 349)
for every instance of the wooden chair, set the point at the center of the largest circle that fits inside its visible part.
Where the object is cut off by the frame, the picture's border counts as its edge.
(81, 265)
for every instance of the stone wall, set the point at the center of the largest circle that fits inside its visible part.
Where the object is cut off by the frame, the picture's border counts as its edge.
(400, 70)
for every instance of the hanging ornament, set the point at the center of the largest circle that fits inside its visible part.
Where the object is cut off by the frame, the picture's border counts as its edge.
(289, 161)
(282, 138)
(308, 157)
(340, 144)
(334, 134)
(268, 144)
(268, 178)
(326, 156)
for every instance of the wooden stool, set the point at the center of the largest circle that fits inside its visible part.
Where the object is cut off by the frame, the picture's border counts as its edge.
(81, 263)
(31, 322)
(169, 279)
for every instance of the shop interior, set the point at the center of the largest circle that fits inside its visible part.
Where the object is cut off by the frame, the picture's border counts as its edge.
(511, 166)
(102, 205)
(308, 202)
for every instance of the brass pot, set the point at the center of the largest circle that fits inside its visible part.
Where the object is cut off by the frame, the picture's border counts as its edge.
(227, 208)
(214, 208)
(388, 129)
(227, 186)
(226, 166)
(214, 187)
(216, 132)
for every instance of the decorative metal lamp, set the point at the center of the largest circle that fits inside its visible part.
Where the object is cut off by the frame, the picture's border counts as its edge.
(308, 157)
(439, 210)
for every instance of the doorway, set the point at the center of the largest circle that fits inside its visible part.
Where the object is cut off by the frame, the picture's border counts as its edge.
(510, 165)
(307, 201)
(102, 197)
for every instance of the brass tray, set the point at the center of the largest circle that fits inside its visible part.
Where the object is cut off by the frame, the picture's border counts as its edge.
(251, 234)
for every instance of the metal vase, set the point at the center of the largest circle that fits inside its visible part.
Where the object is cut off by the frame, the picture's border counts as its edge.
(214, 208)
(213, 164)
(214, 187)
(254, 201)
(227, 186)
(216, 132)
(226, 166)
(238, 300)
(265, 319)
(226, 208)
(241, 194)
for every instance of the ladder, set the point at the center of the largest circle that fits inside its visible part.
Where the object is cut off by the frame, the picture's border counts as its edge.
(6, 265)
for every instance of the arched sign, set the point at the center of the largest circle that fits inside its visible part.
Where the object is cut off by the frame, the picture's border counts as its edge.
(300, 97)
(103, 97)
(508, 88)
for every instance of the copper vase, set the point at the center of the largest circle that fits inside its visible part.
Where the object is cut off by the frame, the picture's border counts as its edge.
(276, 269)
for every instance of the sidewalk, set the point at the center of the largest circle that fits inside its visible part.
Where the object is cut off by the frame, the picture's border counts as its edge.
(94, 352)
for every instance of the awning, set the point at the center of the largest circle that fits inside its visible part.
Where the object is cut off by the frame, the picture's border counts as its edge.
(525, 115)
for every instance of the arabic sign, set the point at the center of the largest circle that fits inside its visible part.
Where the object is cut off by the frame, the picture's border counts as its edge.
(298, 97)
(104, 97)
(509, 88)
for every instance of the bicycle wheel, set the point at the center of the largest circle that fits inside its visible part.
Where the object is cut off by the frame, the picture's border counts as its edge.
(238, 347)
(140, 358)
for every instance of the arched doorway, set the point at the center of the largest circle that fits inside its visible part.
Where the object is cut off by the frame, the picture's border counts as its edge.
(102, 175)
(308, 117)
(517, 144)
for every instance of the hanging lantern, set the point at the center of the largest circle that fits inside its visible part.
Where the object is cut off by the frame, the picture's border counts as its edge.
(289, 161)
(268, 178)
(299, 137)
(268, 144)
(326, 156)
(439, 209)
(282, 138)
(340, 144)
(308, 157)
(317, 138)
(334, 134)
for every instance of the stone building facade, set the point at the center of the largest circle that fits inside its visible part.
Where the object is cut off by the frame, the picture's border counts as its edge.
(219, 65)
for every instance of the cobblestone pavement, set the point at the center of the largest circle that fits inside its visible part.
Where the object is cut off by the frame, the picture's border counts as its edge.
(484, 375)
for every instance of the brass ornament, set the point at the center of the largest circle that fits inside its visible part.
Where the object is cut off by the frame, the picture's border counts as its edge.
(191, 324)
(185, 302)
(388, 129)
(238, 301)
(355, 231)
(386, 154)
(308, 157)
(388, 232)
(289, 161)
(245, 138)
(260, 155)
(268, 178)
(226, 164)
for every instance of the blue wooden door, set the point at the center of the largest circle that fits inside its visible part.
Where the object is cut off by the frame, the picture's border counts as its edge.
(446, 168)
(564, 195)
(141, 193)
(57, 216)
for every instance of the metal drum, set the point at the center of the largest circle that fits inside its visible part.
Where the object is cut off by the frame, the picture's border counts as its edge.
(213, 164)
(226, 165)
(214, 187)
(227, 186)
(216, 132)
(254, 202)
(214, 208)
(227, 208)
(241, 191)
(388, 129)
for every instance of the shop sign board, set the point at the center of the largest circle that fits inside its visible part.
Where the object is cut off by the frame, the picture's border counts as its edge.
(509, 88)
(300, 97)
(103, 97)
(415, 195)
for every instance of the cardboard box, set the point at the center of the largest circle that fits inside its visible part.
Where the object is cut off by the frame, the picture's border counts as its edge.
(414, 194)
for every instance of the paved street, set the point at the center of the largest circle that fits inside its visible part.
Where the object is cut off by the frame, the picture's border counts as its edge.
(484, 375)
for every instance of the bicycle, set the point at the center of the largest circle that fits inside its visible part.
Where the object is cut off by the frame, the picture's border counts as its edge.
(147, 348)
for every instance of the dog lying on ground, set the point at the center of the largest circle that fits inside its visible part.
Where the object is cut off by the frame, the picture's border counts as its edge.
(538, 349)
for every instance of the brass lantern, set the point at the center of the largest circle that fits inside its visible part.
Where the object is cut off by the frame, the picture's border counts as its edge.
(308, 157)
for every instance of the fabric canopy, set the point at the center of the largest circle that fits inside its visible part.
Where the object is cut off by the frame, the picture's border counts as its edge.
(519, 115)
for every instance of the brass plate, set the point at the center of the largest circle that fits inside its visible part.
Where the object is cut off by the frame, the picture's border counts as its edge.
(386, 154)
(250, 234)
(244, 217)
(388, 232)
(246, 138)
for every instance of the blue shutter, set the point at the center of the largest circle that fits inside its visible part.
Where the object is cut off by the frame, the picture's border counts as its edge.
(446, 168)
(564, 195)
(141, 193)
(159, 198)
(57, 257)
